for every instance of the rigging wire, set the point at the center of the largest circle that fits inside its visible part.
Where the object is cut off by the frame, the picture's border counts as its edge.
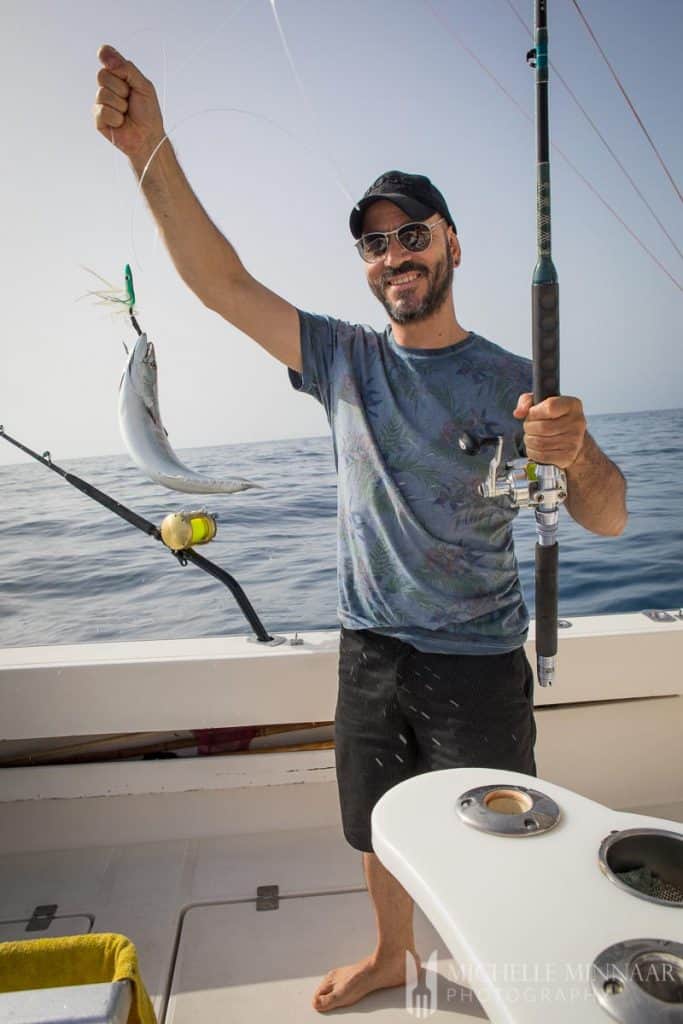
(597, 131)
(450, 31)
(616, 78)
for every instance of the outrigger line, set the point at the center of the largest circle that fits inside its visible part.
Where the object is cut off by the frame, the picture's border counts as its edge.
(545, 312)
(183, 556)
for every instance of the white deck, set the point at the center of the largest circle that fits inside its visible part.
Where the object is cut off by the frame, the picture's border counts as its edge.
(171, 853)
(206, 953)
(232, 962)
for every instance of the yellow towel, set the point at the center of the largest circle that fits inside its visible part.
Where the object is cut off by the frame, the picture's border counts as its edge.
(75, 960)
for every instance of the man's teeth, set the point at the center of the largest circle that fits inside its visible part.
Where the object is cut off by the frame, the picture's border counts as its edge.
(404, 279)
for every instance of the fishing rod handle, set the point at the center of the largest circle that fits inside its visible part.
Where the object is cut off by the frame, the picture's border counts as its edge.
(545, 339)
(546, 599)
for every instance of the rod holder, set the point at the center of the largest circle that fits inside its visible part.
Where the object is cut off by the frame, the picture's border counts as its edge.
(640, 981)
(511, 811)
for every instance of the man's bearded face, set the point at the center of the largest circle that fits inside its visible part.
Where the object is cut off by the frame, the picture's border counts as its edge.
(414, 291)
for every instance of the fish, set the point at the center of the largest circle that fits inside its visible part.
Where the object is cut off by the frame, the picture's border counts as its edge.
(145, 436)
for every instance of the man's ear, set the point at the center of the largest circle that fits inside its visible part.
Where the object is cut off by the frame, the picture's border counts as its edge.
(455, 247)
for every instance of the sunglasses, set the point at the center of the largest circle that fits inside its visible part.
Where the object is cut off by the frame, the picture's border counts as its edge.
(414, 237)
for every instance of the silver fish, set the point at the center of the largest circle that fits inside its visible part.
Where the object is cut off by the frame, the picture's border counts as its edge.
(145, 436)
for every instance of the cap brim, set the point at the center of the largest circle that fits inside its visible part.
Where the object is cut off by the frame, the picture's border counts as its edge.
(410, 206)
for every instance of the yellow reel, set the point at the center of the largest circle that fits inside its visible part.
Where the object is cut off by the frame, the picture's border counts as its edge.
(182, 530)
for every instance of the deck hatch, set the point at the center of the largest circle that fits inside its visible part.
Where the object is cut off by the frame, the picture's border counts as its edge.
(246, 968)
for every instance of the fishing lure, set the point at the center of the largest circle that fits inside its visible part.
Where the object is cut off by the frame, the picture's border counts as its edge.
(112, 295)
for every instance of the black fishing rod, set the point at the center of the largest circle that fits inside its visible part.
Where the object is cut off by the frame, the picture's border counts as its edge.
(183, 555)
(545, 320)
(527, 484)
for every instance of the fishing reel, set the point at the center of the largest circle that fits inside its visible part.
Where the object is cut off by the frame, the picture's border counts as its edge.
(526, 484)
(183, 530)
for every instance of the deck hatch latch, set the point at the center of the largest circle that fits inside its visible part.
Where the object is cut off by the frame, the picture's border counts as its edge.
(268, 897)
(42, 918)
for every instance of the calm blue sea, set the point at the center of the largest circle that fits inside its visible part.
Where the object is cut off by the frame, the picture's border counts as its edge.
(73, 572)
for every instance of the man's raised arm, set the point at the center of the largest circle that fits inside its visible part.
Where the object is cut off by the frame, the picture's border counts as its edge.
(127, 113)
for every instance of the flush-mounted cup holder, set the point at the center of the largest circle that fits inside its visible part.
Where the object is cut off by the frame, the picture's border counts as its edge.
(645, 862)
(508, 810)
(640, 981)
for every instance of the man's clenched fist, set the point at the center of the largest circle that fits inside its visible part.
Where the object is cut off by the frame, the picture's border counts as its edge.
(126, 108)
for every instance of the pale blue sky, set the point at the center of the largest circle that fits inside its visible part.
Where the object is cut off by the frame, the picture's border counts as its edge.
(389, 87)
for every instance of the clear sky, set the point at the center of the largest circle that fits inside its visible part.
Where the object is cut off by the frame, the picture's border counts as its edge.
(387, 86)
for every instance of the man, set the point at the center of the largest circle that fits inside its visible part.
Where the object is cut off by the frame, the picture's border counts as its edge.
(432, 668)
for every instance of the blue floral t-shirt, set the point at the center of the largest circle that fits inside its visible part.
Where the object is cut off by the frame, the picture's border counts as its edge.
(420, 555)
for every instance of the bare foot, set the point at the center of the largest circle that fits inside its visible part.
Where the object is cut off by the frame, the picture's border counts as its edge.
(346, 985)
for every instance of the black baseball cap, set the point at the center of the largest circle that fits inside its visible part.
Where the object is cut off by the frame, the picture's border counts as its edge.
(413, 193)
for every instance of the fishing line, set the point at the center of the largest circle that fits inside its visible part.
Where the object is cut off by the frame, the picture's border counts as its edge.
(209, 38)
(554, 145)
(162, 106)
(307, 102)
(616, 78)
(598, 133)
(216, 110)
(332, 168)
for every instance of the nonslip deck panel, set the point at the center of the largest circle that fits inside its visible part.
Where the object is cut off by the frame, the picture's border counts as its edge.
(240, 965)
(142, 891)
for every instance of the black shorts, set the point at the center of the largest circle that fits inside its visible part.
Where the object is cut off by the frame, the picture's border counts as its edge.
(401, 712)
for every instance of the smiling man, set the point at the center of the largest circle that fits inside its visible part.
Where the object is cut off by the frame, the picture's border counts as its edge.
(432, 670)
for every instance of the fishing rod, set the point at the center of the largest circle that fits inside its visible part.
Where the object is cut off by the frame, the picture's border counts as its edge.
(176, 531)
(525, 483)
(545, 330)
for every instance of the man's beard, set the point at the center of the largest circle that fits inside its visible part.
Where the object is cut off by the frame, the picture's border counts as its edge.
(440, 283)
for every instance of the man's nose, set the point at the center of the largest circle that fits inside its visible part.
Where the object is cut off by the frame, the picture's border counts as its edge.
(395, 254)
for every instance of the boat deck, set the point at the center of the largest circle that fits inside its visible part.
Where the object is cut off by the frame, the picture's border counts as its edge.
(206, 951)
(172, 853)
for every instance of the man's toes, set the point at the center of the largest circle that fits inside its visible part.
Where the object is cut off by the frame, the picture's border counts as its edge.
(326, 985)
(326, 1000)
(323, 995)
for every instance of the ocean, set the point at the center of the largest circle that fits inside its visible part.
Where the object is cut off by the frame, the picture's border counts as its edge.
(73, 572)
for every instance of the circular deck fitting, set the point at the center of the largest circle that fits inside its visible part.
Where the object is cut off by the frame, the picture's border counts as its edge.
(645, 862)
(508, 810)
(640, 981)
